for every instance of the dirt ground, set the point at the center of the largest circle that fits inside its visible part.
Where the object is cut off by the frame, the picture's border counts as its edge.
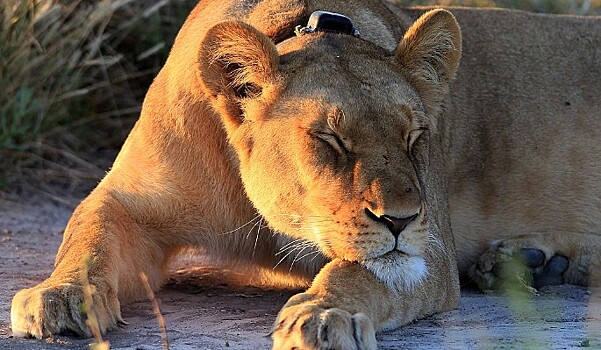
(205, 308)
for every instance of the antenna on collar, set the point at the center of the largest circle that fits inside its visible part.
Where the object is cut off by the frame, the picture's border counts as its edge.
(328, 22)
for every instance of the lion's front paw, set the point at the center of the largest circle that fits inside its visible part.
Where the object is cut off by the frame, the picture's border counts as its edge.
(308, 326)
(44, 310)
(508, 267)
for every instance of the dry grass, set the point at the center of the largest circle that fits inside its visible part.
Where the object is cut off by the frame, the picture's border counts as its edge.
(156, 309)
(72, 76)
(88, 309)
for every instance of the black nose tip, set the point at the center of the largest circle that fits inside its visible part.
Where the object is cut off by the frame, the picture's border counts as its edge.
(394, 224)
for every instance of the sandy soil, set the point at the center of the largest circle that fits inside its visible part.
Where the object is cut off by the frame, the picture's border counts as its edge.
(206, 308)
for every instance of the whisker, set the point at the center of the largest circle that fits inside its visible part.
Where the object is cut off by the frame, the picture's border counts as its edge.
(436, 244)
(244, 225)
(296, 258)
(317, 253)
(284, 257)
(257, 238)
(252, 228)
(290, 244)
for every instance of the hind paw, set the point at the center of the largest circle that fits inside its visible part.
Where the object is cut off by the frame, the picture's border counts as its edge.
(506, 267)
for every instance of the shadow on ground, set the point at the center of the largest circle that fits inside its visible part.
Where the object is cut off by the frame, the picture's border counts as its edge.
(208, 308)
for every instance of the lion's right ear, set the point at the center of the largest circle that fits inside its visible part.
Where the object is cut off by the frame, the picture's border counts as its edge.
(238, 70)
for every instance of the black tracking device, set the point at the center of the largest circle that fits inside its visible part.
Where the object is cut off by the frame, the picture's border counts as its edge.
(328, 22)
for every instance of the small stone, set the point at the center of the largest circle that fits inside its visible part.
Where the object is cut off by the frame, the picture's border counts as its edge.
(585, 343)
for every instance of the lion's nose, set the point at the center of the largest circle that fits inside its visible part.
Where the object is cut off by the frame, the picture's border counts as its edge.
(394, 224)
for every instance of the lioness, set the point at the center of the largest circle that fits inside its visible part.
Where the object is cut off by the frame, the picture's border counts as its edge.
(358, 151)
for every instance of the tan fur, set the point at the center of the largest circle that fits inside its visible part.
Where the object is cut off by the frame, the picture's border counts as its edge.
(317, 135)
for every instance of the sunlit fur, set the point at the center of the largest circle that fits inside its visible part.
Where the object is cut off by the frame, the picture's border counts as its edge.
(232, 117)
(331, 160)
(266, 149)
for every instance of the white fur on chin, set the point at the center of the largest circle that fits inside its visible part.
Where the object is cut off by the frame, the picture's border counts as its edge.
(398, 271)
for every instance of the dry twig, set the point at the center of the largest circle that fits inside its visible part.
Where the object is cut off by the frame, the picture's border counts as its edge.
(156, 309)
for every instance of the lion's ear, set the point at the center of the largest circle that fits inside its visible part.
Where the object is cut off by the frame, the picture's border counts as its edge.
(238, 65)
(429, 53)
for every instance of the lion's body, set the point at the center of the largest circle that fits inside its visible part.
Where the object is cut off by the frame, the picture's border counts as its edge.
(320, 138)
(524, 129)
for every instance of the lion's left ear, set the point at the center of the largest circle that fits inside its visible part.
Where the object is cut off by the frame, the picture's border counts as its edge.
(238, 66)
(429, 54)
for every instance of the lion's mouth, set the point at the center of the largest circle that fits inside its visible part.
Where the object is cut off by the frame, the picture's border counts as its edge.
(399, 251)
(405, 249)
(393, 254)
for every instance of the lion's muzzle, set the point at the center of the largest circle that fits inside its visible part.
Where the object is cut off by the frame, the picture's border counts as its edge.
(394, 224)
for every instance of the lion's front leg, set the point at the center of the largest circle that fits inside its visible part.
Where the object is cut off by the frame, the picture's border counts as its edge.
(337, 312)
(103, 251)
(346, 305)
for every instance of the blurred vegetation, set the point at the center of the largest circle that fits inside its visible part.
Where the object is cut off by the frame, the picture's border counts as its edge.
(74, 72)
(573, 7)
(72, 77)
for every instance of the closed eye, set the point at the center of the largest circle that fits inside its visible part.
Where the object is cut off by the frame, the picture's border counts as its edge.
(334, 140)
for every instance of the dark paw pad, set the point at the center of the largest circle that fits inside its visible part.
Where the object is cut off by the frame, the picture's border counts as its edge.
(532, 258)
(520, 270)
(552, 273)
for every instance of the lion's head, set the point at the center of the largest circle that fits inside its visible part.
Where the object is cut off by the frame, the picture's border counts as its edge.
(328, 128)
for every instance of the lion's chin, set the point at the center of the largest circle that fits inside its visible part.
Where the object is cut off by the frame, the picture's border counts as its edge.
(400, 272)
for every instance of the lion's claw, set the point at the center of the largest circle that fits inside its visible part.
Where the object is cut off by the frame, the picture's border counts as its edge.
(43, 311)
(307, 326)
